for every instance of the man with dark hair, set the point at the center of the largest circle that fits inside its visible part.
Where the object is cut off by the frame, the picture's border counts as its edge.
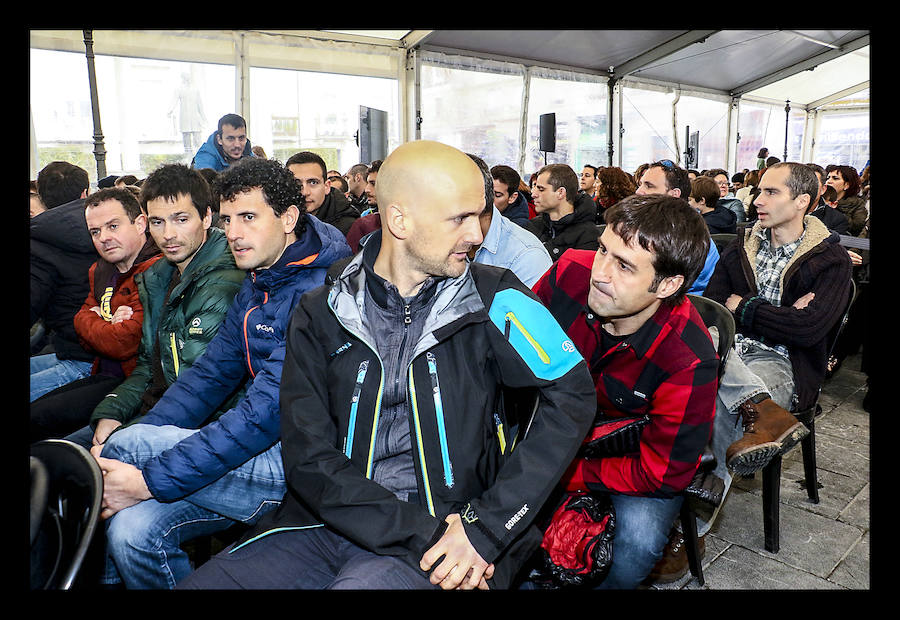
(785, 307)
(565, 215)
(401, 469)
(109, 322)
(356, 184)
(61, 255)
(225, 146)
(176, 473)
(510, 202)
(665, 177)
(187, 294)
(369, 220)
(625, 309)
(320, 199)
(588, 177)
(339, 183)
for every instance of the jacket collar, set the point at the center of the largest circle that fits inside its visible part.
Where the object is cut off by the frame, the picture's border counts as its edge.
(649, 335)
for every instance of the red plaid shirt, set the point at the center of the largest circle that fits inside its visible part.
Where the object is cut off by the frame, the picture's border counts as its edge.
(667, 369)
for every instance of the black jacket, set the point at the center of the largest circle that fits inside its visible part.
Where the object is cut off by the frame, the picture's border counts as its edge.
(720, 220)
(61, 256)
(833, 219)
(485, 329)
(337, 211)
(576, 230)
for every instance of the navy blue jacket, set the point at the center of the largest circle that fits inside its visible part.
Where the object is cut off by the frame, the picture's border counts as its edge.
(250, 340)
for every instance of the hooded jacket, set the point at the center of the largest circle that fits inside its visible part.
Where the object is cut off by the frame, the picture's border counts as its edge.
(518, 211)
(181, 327)
(819, 265)
(720, 220)
(337, 211)
(576, 230)
(484, 330)
(251, 342)
(61, 256)
(210, 155)
(115, 341)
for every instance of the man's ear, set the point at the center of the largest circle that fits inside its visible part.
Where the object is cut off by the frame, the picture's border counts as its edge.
(395, 220)
(290, 217)
(675, 191)
(513, 197)
(668, 286)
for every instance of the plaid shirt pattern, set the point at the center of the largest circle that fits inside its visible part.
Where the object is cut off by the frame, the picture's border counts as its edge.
(770, 263)
(667, 369)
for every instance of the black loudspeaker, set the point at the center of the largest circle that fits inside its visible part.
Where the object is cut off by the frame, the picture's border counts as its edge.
(548, 132)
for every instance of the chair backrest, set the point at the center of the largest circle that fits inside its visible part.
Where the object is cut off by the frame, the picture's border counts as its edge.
(716, 315)
(74, 491)
(723, 239)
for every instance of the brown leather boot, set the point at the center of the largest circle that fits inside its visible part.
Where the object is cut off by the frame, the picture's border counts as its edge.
(673, 565)
(768, 430)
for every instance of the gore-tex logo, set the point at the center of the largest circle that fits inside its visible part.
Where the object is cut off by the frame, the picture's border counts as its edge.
(265, 328)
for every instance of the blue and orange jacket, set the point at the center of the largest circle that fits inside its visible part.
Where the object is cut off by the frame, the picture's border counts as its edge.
(250, 341)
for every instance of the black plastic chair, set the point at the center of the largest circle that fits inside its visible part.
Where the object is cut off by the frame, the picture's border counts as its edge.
(723, 239)
(705, 488)
(66, 494)
(771, 473)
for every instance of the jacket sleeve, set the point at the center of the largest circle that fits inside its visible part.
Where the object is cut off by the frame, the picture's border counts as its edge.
(123, 403)
(239, 434)
(801, 328)
(318, 472)
(531, 350)
(117, 341)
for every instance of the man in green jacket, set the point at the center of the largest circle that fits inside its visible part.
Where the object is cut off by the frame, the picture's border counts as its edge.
(185, 297)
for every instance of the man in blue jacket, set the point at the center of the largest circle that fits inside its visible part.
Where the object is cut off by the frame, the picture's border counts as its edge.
(225, 146)
(175, 475)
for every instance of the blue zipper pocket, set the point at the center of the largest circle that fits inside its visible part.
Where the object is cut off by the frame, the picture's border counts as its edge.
(354, 404)
(439, 414)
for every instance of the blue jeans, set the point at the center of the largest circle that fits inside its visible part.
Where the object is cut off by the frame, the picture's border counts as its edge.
(314, 558)
(48, 373)
(642, 531)
(750, 370)
(143, 541)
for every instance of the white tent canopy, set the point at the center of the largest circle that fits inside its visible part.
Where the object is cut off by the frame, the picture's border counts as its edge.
(805, 68)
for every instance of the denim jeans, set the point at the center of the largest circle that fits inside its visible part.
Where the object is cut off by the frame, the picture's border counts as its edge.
(750, 370)
(315, 558)
(48, 373)
(642, 531)
(143, 541)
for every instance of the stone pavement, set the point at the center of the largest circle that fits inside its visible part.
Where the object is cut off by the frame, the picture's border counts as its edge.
(823, 546)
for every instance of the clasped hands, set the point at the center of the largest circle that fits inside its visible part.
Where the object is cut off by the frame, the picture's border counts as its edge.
(123, 484)
(462, 567)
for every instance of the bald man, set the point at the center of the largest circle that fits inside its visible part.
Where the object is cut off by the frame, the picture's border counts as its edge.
(404, 468)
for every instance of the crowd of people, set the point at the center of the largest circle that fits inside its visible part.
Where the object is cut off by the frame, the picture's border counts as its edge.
(402, 376)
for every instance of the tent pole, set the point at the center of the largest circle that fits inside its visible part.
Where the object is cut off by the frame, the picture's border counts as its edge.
(99, 150)
(787, 118)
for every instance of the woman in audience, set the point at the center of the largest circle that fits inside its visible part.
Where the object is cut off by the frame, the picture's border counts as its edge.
(612, 185)
(845, 181)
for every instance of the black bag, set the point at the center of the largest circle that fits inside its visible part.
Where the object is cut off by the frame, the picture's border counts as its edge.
(613, 436)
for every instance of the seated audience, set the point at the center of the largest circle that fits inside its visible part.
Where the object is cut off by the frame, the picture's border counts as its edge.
(510, 201)
(327, 203)
(189, 293)
(845, 181)
(450, 506)
(109, 321)
(565, 215)
(625, 308)
(704, 198)
(177, 474)
(61, 254)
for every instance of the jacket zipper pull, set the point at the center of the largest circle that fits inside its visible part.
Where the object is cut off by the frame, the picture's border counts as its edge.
(407, 319)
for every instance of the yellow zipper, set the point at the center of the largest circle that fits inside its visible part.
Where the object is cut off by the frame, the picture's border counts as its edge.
(540, 351)
(174, 351)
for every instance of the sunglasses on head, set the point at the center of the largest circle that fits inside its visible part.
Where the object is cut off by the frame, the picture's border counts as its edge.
(667, 163)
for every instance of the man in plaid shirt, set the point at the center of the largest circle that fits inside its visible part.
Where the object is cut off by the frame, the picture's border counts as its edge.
(625, 309)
